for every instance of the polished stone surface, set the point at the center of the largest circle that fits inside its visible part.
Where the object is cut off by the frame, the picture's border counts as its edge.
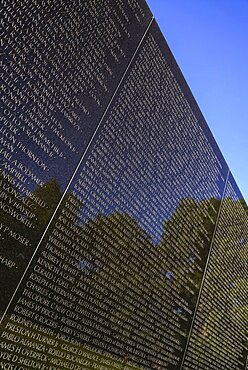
(124, 237)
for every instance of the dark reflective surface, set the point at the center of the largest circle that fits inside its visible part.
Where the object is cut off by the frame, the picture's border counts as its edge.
(219, 335)
(62, 63)
(116, 280)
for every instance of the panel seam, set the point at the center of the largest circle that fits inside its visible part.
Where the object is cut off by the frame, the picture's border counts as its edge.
(205, 272)
(78, 166)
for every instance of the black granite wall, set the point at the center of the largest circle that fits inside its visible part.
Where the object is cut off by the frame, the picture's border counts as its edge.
(124, 237)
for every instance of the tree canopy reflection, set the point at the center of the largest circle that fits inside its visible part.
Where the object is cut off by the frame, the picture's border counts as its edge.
(140, 292)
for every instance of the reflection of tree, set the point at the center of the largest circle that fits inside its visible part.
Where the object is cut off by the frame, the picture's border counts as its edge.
(144, 292)
(23, 218)
(185, 243)
(50, 194)
(223, 310)
(137, 294)
(116, 269)
(184, 248)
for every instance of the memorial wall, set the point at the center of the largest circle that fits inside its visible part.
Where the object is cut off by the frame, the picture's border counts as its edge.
(124, 237)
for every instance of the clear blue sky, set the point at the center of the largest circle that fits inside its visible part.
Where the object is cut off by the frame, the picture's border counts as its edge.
(209, 39)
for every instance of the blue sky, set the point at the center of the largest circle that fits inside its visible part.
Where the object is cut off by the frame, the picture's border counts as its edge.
(209, 39)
